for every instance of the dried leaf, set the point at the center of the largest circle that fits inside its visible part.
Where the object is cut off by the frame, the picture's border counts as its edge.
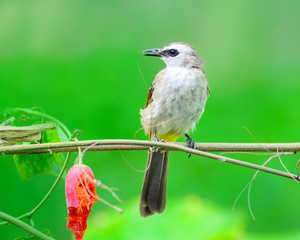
(11, 135)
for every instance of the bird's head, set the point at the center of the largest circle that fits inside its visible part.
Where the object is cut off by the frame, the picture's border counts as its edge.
(177, 54)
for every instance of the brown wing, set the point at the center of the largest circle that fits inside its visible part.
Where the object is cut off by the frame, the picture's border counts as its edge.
(157, 79)
(208, 91)
(149, 95)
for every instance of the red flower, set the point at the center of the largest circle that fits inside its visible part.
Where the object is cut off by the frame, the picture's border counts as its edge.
(80, 195)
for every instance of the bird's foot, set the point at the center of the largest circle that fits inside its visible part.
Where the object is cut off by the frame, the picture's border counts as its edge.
(190, 143)
(156, 139)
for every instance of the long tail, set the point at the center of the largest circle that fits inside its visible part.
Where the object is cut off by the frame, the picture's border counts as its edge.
(154, 190)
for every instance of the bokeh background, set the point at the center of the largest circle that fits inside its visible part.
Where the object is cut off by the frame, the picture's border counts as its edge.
(81, 62)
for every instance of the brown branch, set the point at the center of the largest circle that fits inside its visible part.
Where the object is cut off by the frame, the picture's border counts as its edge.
(117, 145)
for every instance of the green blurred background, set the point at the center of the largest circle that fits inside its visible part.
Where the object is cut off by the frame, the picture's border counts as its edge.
(81, 62)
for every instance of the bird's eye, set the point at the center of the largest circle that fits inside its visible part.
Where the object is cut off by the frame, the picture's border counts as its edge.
(173, 52)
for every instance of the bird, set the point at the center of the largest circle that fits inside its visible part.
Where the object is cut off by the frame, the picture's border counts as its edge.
(175, 103)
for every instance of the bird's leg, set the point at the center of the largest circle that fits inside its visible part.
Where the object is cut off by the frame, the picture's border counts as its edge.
(190, 143)
(156, 139)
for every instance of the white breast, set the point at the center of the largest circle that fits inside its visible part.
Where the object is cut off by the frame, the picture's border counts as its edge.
(179, 98)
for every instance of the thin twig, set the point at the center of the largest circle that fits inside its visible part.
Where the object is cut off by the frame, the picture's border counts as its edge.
(111, 190)
(37, 207)
(132, 167)
(285, 166)
(121, 144)
(8, 121)
(24, 226)
(254, 177)
(44, 115)
(297, 169)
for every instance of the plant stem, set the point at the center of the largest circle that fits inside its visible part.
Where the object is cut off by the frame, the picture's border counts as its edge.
(8, 121)
(53, 186)
(121, 144)
(24, 226)
(44, 115)
(29, 214)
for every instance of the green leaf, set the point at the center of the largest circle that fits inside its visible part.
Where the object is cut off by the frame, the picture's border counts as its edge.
(26, 117)
(31, 165)
(21, 118)
(45, 231)
(62, 135)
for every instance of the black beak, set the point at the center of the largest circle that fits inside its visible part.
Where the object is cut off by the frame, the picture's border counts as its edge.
(152, 52)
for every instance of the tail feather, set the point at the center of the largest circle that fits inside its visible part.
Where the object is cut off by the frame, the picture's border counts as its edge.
(153, 196)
